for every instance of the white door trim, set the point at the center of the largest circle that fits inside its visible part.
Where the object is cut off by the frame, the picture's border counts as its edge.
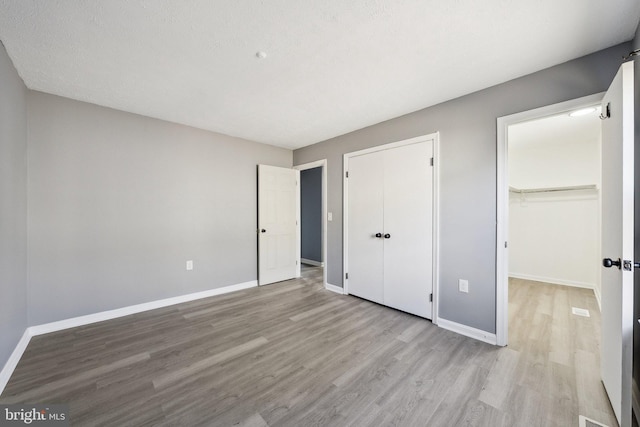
(502, 200)
(435, 137)
(311, 165)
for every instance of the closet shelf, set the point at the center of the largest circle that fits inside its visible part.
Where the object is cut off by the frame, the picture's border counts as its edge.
(552, 189)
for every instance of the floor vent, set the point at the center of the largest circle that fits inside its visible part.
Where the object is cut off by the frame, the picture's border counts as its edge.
(580, 311)
(587, 422)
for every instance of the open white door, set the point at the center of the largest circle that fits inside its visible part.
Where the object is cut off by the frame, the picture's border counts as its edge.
(278, 224)
(617, 242)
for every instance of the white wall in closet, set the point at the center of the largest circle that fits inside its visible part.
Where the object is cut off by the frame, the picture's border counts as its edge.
(554, 236)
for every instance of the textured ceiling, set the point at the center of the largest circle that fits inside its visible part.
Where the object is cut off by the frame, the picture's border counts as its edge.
(332, 66)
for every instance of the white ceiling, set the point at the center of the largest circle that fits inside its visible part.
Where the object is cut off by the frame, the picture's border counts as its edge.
(332, 66)
(549, 132)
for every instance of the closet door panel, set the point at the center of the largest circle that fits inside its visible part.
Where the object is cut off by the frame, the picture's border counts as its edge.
(365, 219)
(408, 219)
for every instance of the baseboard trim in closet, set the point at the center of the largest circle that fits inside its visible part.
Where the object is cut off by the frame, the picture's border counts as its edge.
(553, 281)
(468, 331)
(596, 292)
(334, 288)
(73, 322)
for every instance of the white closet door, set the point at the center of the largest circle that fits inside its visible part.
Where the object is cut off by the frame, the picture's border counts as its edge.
(365, 219)
(408, 219)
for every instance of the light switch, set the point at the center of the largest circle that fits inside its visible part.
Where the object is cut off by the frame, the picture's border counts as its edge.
(190, 264)
(330, 216)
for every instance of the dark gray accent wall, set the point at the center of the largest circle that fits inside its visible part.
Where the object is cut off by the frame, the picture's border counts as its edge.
(119, 202)
(13, 207)
(311, 214)
(467, 127)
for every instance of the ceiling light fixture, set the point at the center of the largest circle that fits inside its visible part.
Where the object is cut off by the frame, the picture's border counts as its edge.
(261, 55)
(582, 112)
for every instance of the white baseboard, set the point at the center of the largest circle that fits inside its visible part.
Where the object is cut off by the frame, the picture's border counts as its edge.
(598, 295)
(11, 364)
(73, 322)
(467, 331)
(334, 288)
(133, 309)
(553, 281)
(311, 262)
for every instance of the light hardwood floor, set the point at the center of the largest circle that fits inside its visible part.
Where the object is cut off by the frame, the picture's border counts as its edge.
(294, 354)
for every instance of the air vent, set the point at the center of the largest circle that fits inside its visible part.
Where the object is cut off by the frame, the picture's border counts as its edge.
(586, 422)
(580, 312)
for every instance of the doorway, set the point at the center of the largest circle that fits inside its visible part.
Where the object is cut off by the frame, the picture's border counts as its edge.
(313, 218)
(554, 199)
(504, 194)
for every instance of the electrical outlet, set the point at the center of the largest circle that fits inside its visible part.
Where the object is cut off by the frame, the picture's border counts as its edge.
(190, 264)
(463, 285)
(329, 216)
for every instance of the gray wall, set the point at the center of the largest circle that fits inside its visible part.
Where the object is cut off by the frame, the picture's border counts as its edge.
(311, 214)
(13, 207)
(467, 127)
(119, 202)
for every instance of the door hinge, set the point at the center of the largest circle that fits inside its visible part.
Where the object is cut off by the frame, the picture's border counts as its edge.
(346, 174)
(431, 161)
(430, 297)
(346, 275)
(505, 244)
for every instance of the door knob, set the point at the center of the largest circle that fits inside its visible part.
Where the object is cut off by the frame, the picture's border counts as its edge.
(263, 231)
(387, 236)
(378, 235)
(608, 262)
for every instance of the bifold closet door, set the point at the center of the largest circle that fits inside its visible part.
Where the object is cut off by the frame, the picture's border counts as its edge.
(365, 220)
(390, 227)
(408, 219)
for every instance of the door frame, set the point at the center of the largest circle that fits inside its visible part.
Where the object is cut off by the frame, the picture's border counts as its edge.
(502, 199)
(435, 137)
(311, 165)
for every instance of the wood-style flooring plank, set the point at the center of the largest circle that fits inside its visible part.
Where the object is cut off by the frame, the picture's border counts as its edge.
(294, 354)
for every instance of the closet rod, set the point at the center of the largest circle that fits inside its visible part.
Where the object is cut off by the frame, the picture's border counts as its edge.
(552, 189)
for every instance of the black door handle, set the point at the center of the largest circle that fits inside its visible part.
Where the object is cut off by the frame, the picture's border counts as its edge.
(263, 231)
(608, 262)
(387, 236)
(378, 235)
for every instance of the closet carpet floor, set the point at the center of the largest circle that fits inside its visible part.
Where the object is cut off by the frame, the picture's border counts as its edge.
(294, 354)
